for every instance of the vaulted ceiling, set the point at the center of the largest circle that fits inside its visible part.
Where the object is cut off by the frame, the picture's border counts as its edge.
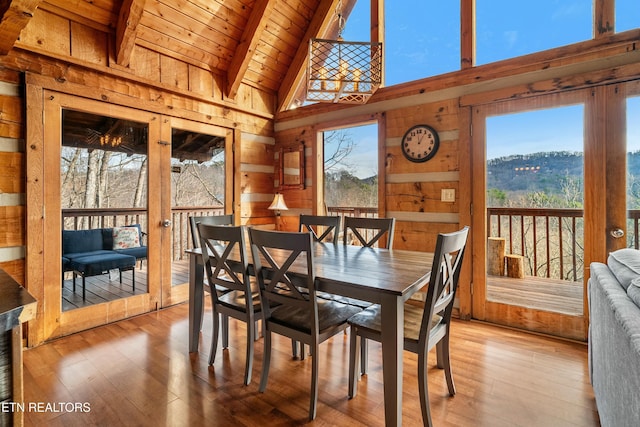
(261, 43)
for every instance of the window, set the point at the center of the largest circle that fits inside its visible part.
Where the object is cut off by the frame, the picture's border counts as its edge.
(627, 15)
(507, 29)
(433, 29)
(351, 167)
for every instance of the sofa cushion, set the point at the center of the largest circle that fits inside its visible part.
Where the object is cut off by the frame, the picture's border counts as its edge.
(74, 241)
(633, 291)
(92, 265)
(625, 265)
(126, 237)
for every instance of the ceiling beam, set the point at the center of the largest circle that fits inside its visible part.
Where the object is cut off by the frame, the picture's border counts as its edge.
(378, 30)
(14, 16)
(127, 29)
(247, 46)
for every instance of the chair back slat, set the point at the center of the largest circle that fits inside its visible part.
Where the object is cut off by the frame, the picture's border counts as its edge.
(224, 257)
(311, 224)
(275, 254)
(209, 220)
(357, 225)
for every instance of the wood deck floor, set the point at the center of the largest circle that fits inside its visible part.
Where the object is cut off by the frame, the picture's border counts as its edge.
(539, 293)
(101, 289)
(138, 372)
(533, 292)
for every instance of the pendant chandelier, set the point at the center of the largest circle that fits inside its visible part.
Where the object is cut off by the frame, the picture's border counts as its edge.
(343, 72)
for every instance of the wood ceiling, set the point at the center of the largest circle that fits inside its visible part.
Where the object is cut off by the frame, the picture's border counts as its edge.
(261, 43)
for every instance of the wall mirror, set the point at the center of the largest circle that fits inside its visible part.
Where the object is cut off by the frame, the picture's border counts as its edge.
(292, 167)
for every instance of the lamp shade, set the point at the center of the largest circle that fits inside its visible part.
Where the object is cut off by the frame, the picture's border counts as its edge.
(278, 203)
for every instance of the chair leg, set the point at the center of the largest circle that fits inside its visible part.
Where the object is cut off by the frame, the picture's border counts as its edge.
(225, 331)
(266, 361)
(251, 329)
(444, 359)
(423, 388)
(314, 382)
(214, 338)
(363, 357)
(354, 355)
(294, 349)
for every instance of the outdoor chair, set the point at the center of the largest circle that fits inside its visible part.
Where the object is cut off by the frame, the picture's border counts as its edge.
(424, 327)
(290, 306)
(238, 298)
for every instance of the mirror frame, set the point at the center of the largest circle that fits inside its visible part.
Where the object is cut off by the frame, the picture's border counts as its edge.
(299, 149)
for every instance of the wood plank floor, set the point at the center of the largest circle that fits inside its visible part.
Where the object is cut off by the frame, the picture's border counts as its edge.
(138, 372)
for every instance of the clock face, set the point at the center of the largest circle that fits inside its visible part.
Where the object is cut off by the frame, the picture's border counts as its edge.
(420, 143)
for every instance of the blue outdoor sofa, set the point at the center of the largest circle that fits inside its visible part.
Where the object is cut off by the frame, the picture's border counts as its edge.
(95, 251)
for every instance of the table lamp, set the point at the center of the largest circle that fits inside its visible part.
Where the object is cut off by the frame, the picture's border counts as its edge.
(278, 205)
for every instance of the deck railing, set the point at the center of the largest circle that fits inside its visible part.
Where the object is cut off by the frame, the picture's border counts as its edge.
(551, 240)
(80, 219)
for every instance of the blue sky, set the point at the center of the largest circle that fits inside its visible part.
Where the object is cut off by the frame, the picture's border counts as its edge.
(422, 40)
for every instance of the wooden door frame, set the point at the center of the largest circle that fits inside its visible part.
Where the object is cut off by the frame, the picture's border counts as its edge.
(170, 294)
(44, 225)
(521, 317)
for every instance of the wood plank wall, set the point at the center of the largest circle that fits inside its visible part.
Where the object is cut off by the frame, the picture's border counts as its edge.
(58, 52)
(12, 180)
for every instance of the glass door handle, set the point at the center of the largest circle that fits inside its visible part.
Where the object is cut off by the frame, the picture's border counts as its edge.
(166, 223)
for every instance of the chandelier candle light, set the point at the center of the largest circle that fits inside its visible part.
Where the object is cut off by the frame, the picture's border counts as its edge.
(343, 72)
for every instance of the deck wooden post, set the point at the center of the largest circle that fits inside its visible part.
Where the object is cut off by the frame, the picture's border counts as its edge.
(495, 256)
(515, 266)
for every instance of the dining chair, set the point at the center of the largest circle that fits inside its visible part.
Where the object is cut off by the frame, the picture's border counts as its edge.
(290, 306)
(311, 223)
(361, 228)
(424, 327)
(238, 298)
(209, 220)
(195, 239)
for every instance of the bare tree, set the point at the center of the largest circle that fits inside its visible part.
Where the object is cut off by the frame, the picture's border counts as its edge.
(141, 184)
(339, 144)
(91, 186)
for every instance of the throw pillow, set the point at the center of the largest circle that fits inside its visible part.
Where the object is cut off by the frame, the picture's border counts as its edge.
(126, 237)
(625, 265)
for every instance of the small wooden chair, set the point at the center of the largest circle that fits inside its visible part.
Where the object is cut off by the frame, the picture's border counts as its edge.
(290, 306)
(424, 327)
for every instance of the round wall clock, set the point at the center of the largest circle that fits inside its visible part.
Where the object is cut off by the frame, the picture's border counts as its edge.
(420, 143)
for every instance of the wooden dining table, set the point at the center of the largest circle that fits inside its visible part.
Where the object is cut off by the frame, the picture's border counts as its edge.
(381, 276)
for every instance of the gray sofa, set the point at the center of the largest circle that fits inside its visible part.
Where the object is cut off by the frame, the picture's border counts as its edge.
(614, 338)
